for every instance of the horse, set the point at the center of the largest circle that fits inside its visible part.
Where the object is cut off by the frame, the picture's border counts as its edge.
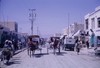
(55, 45)
(31, 48)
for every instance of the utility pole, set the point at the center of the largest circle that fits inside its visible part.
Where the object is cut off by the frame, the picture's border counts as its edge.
(37, 31)
(0, 9)
(32, 17)
(68, 25)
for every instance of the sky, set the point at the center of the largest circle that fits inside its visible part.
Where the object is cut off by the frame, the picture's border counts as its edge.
(51, 15)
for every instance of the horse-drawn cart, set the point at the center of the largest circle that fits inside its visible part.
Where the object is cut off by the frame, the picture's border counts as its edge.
(54, 44)
(34, 44)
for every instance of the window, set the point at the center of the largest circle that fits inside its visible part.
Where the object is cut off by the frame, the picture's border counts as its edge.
(93, 23)
(98, 19)
(86, 21)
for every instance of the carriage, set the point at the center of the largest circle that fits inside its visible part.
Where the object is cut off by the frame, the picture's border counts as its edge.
(35, 39)
(54, 44)
(35, 44)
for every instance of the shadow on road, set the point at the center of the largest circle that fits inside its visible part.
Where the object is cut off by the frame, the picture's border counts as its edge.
(61, 53)
(15, 60)
(68, 50)
(40, 55)
(58, 53)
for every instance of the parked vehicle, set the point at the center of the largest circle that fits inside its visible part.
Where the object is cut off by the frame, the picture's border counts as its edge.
(97, 51)
(97, 44)
(69, 43)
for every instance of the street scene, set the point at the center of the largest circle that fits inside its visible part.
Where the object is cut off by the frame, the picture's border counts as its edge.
(66, 59)
(49, 34)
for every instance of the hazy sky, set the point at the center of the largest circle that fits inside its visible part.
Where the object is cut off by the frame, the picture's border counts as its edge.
(52, 15)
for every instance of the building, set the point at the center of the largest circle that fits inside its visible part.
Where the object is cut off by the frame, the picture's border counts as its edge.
(73, 28)
(57, 34)
(2, 28)
(65, 31)
(92, 21)
(8, 30)
(13, 26)
(4, 34)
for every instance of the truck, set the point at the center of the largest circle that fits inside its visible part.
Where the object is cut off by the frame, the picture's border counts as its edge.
(69, 43)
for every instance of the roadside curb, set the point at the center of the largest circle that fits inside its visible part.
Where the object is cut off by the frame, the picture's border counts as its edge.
(18, 51)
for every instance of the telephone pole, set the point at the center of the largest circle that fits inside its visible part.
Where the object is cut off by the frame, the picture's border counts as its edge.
(37, 31)
(68, 25)
(32, 17)
(0, 9)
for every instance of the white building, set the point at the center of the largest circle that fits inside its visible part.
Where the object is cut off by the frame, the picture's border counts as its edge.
(73, 28)
(57, 34)
(92, 21)
(65, 31)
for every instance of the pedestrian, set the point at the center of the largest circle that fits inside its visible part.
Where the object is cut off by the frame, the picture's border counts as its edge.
(76, 41)
(92, 39)
(87, 44)
(78, 47)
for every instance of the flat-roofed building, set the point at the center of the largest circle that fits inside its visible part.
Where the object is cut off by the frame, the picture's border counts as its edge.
(92, 21)
(72, 29)
(13, 26)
